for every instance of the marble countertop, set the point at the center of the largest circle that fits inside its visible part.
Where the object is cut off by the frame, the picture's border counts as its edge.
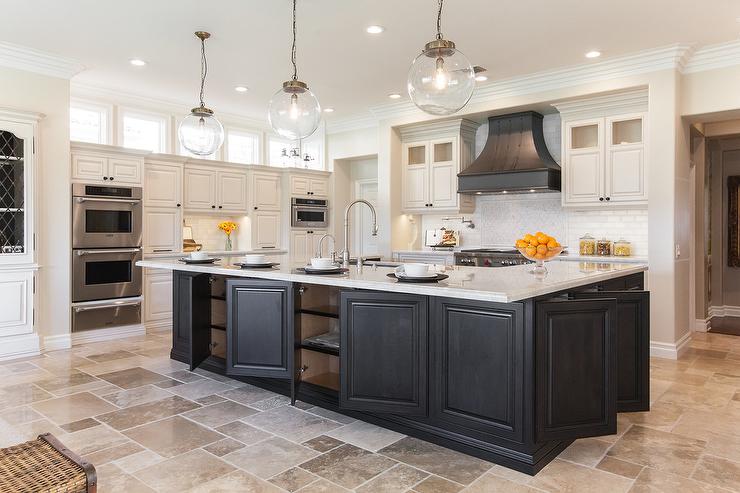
(505, 284)
(218, 253)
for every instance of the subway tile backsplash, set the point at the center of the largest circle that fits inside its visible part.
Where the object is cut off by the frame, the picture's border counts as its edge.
(206, 232)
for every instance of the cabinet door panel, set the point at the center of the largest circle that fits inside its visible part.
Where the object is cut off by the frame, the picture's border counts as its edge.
(299, 246)
(633, 348)
(266, 232)
(259, 328)
(416, 188)
(443, 185)
(299, 185)
(157, 296)
(575, 347)
(584, 177)
(162, 230)
(16, 309)
(200, 189)
(125, 170)
(383, 356)
(478, 347)
(626, 174)
(265, 192)
(191, 324)
(89, 167)
(232, 191)
(319, 187)
(163, 185)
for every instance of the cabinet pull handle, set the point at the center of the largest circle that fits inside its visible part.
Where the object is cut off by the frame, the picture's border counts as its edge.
(162, 250)
(268, 247)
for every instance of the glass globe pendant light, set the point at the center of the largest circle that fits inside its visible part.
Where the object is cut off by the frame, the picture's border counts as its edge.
(200, 132)
(441, 79)
(294, 110)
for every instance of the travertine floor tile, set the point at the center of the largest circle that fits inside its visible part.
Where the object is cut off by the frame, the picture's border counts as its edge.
(662, 416)
(20, 394)
(111, 454)
(718, 471)
(563, 476)
(326, 413)
(146, 413)
(219, 414)
(19, 415)
(587, 451)
(489, 483)
(200, 388)
(322, 443)
(243, 432)
(183, 472)
(435, 484)
(655, 481)
(236, 481)
(348, 466)
(365, 435)
(620, 467)
(395, 480)
(291, 423)
(93, 439)
(79, 425)
(136, 396)
(75, 407)
(702, 425)
(113, 479)
(132, 377)
(710, 397)
(293, 479)
(270, 457)
(247, 394)
(172, 436)
(109, 356)
(223, 447)
(322, 486)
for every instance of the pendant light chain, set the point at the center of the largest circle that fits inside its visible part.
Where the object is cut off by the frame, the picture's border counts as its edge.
(203, 69)
(439, 19)
(293, 50)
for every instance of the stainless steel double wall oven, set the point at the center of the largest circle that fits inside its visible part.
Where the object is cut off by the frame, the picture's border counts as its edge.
(106, 244)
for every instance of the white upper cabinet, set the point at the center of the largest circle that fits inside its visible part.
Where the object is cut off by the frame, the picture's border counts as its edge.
(432, 156)
(222, 190)
(265, 229)
(604, 148)
(316, 186)
(162, 230)
(106, 164)
(163, 185)
(264, 191)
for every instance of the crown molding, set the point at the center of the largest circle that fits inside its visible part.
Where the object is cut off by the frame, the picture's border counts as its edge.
(713, 57)
(22, 116)
(356, 122)
(624, 101)
(38, 62)
(436, 128)
(668, 57)
(84, 91)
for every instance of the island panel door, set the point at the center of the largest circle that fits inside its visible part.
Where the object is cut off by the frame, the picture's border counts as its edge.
(633, 348)
(383, 353)
(191, 322)
(575, 376)
(259, 328)
(478, 366)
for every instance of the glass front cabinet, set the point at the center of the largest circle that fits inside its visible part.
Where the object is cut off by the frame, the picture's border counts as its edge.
(17, 248)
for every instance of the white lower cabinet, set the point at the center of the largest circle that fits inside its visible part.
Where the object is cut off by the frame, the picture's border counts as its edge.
(157, 298)
(265, 230)
(16, 309)
(162, 230)
(304, 245)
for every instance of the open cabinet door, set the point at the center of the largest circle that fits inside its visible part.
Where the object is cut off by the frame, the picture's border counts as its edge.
(191, 324)
(575, 354)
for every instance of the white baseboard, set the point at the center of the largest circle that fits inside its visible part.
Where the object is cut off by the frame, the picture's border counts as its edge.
(724, 311)
(20, 346)
(98, 335)
(670, 350)
(158, 326)
(60, 341)
(701, 325)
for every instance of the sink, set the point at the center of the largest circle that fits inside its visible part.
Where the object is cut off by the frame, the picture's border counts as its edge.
(381, 263)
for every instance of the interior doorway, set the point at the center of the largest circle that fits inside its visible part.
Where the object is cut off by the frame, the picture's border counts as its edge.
(367, 244)
(356, 178)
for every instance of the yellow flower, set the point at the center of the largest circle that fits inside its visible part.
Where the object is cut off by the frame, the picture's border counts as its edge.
(227, 227)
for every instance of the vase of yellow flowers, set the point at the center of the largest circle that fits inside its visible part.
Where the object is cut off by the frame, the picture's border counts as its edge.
(227, 227)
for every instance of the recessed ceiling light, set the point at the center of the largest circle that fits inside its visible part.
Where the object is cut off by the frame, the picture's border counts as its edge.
(374, 29)
(137, 62)
(241, 88)
(481, 78)
(593, 54)
(328, 110)
(395, 95)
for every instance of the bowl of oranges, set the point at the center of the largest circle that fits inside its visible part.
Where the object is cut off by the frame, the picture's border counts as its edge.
(539, 248)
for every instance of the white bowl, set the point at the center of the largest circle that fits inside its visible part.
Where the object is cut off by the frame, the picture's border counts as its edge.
(255, 258)
(321, 263)
(198, 255)
(416, 270)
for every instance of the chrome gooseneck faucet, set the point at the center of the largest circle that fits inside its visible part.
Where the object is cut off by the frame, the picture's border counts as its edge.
(345, 252)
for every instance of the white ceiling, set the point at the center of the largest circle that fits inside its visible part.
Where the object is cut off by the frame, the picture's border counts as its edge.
(347, 68)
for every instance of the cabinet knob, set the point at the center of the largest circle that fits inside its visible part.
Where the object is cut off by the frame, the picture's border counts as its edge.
(178, 205)
(105, 178)
(110, 178)
(220, 207)
(213, 207)
(255, 208)
(608, 199)
(601, 199)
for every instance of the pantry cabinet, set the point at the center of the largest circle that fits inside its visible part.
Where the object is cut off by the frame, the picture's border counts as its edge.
(432, 156)
(604, 147)
(107, 164)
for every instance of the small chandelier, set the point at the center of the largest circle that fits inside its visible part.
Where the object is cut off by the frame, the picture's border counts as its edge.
(441, 79)
(294, 110)
(200, 132)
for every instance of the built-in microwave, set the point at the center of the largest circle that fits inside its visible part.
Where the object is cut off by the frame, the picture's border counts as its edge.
(105, 216)
(309, 213)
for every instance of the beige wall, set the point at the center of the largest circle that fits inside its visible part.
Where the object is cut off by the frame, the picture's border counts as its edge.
(48, 95)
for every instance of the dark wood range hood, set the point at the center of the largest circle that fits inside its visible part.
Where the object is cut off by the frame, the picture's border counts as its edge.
(515, 159)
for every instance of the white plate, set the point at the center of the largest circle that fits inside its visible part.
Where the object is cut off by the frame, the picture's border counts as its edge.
(333, 267)
(403, 274)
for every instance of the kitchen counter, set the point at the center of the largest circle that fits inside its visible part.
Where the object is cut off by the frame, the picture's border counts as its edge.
(506, 284)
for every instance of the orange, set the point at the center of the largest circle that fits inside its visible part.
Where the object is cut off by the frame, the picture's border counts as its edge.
(522, 243)
(552, 243)
(539, 256)
(542, 249)
(542, 239)
(531, 251)
(528, 237)
(533, 242)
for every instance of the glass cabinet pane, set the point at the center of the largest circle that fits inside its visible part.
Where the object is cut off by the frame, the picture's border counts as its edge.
(12, 212)
(442, 152)
(417, 155)
(584, 137)
(627, 131)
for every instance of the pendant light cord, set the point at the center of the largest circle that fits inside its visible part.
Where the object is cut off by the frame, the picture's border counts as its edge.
(439, 19)
(293, 50)
(203, 70)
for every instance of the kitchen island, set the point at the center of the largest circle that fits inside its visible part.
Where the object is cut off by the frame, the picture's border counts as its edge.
(492, 362)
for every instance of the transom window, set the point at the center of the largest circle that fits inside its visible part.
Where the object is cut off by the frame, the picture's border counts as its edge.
(242, 147)
(147, 131)
(88, 122)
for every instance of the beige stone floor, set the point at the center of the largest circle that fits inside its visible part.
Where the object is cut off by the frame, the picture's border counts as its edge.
(149, 425)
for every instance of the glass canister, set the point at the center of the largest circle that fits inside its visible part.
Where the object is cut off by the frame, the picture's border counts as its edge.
(603, 247)
(622, 248)
(587, 245)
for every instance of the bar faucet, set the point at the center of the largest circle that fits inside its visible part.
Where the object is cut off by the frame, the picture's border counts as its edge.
(374, 232)
(321, 244)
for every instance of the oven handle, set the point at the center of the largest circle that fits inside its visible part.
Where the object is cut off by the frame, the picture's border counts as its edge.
(118, 201)
(80, 253)
(79, 309)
